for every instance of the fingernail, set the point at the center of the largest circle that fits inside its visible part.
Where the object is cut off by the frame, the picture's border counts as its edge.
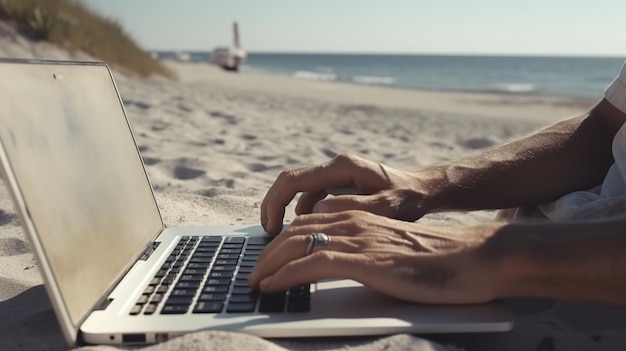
(322, 207)
(267, 282)
(268, 226)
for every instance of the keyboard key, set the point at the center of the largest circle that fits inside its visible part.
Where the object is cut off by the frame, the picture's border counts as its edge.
(196, 265)
(155, 281)
(243, 275)
(246, 269)
(212, 297)
(149, 290)
(232, 246)
(207, 254)
(143, 299)
(169, 280)
(252, 297)
(183, 292)
(215, 289)
(259, 240)
(150, 309)
(240, 307)
(242, 290)
(269, 303)
(299, 305)
(156, 298)
(136, 310)
(208, 307)
(190, 278)
(162, 289)
(175, 309)
(175, 269)
(188, 285)
(207, 248)
(300, 290)
(161, 273)
(194, 271)
(179, 300)
(241, 282)
(230, 251)
(211, 239)
(223, 256)
(229, 268)
(235, 240)
(226, 262)
(218, 281)
(221, 275)
(299, 299)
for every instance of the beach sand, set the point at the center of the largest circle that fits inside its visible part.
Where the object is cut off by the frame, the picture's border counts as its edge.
(213, 142)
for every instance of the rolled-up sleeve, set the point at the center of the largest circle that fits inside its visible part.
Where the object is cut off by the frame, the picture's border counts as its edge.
(616, 92)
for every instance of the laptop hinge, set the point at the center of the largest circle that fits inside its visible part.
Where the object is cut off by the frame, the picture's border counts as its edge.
(149, 250)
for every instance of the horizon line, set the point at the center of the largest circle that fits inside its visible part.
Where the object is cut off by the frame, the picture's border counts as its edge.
(390, 53)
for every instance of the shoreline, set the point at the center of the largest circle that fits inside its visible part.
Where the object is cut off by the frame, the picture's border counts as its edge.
(529, 108)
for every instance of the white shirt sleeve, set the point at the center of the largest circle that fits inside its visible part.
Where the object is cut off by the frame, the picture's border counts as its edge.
(616, 92)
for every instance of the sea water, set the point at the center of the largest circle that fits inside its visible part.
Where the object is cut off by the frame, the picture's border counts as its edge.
(578, 77)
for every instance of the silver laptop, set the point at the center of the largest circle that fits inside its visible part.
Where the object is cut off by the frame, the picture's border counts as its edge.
(115, 274)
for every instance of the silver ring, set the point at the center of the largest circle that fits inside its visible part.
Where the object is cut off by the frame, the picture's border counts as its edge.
(316, 240)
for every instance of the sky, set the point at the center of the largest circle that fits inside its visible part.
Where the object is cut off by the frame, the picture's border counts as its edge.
(491, 27)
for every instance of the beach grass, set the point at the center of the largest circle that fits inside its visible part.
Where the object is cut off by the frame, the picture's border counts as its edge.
(72, 24)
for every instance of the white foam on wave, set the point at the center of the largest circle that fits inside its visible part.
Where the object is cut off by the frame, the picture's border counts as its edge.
(315, 76)
(516, 87)
(373, 80)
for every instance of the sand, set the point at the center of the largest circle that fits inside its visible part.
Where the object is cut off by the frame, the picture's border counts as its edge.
(213, 142)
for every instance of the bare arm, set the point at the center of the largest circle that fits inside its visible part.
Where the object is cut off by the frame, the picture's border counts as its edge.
(574, 154)
(575, 261)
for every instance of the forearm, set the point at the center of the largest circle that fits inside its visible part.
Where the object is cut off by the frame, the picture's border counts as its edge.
(571, 155)
(575, 261)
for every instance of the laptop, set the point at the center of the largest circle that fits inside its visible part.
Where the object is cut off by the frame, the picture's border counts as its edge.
(115, 274)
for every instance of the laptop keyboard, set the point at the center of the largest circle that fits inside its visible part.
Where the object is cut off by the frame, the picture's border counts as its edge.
(210, 275)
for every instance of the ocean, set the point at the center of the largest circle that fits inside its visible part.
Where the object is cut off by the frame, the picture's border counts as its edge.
(575, 77)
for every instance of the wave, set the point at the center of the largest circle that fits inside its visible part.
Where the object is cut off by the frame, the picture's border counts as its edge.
(327, 77)
(373, 80)
(515, 88)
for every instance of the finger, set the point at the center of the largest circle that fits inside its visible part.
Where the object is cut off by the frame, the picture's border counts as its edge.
(308, 200)
(317, 222)
(290, 182)
(383, 203)
(294, 249)
(317, 266)
(301, 227)
(339, 172)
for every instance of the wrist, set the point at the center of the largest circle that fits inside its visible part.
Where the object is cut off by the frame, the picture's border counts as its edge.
(512, 251)
(431, 186)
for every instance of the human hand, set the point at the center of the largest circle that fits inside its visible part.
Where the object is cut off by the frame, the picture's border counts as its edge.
(381, 190)
(409, 261)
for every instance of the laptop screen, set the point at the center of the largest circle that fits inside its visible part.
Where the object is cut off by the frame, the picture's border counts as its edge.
(77, 169)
